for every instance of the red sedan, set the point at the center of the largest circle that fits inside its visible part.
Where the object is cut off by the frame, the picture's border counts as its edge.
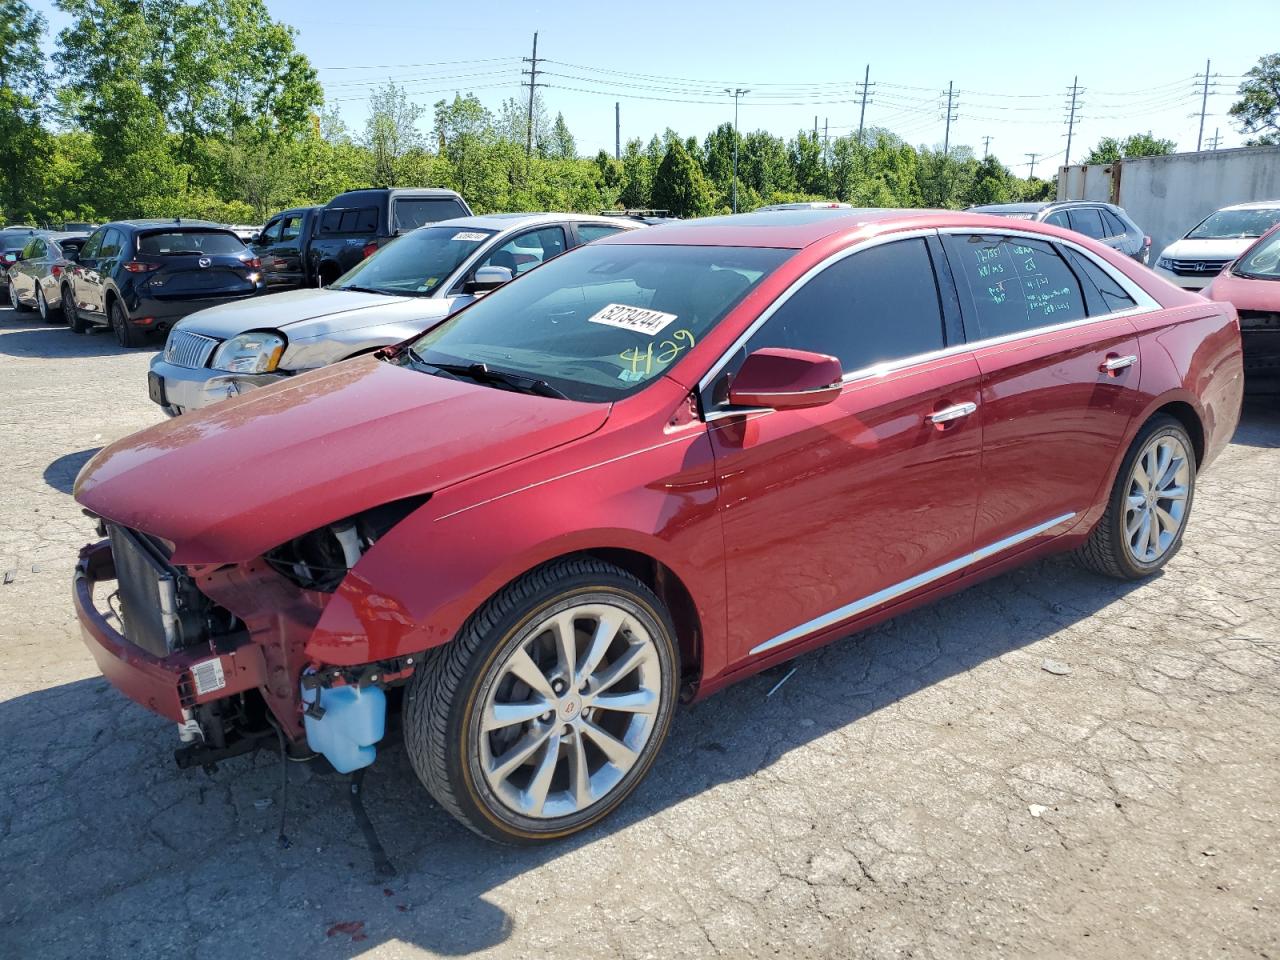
(647, 469)
(1252, 285)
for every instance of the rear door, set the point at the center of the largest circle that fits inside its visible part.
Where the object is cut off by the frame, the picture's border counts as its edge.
(194, 264)
(87, 262)
(834, 511)
(91, 281)
(287, 253)
(265, 249)
(1059, 363)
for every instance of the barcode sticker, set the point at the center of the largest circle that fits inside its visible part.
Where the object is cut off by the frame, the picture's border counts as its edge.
(208, 676)
(636, 319)
(470, 235)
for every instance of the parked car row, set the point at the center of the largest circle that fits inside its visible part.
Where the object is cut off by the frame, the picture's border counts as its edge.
(1104, 222)
(625, 477)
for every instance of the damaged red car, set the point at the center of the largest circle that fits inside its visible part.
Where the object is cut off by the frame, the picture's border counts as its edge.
(647, 469)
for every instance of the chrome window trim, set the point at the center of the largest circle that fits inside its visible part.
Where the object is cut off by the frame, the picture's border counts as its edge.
(1143, 303)
(849, 610)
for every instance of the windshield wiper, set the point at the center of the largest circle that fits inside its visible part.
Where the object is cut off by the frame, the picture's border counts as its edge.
(483, 373)
(354, 289)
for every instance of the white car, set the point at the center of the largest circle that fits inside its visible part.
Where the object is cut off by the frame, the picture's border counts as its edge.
(1197, 258)
(396, 293)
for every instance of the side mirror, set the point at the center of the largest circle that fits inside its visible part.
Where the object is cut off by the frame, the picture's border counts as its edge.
(486, 279)
(782, 379)
(17, 255)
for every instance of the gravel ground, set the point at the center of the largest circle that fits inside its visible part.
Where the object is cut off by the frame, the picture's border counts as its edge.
(926, 789)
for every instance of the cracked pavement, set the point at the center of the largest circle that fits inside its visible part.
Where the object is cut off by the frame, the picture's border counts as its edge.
(926, 789)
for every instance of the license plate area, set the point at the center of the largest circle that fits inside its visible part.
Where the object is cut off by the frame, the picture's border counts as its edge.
(155, 388)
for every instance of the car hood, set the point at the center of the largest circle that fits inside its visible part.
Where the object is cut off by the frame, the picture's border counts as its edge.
(229, 482)
(1185, 249)
(1244, 293)
(280, 311)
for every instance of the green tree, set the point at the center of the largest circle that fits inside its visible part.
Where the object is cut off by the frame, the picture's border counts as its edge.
(1111, 149)
(1258, 109)
(637, 177)
(23, 86)
(992, 183)
(391, 134)
(679, 184)
(561, 145)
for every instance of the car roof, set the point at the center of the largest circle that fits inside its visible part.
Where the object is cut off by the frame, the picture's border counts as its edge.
(512, 221)
(1254, 205)
(173, 223)
(377, 193)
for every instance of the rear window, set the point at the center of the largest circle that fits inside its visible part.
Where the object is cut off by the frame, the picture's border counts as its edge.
(410, 213)
(173, 243)
(355, 220)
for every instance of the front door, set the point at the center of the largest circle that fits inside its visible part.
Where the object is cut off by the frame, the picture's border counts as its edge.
(838, 510)
(1059, 361)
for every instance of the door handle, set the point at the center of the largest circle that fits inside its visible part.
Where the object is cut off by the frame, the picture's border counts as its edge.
(1114, 364)
(953, 412)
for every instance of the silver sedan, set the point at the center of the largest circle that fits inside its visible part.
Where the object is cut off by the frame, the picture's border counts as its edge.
(35, 278)
(399, 291)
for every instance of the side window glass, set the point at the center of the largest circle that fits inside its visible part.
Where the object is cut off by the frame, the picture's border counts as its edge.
(1058, 219)
(526, 251)
(272, 233)
(1107, 296)
(594, 231)
(1087, 221)
(366, 220)
(330, 220)
(92, 245)
(290, 227)
(29, 251)
(871, 307)
(1114, 225)
(111, 244)
(1014, 284)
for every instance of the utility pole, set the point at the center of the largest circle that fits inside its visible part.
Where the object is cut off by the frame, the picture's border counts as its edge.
(1215, 139)
(1204, 105)
(617, 130)
(946, 139)
(1033, 156)
(986, 146)
(532, 74)
(826, 141)
(737, 92)
(866, 88)
(1075, 92)
(815, 128)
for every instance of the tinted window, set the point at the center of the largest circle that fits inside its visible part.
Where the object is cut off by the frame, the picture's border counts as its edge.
(272, 233)
(1115, 227)
(1102, 290)
(526, 251)
(410, 213)
(1058, 219)
(364, 220)
(174, 243)
(34, 249)
(93, 245)
(1087, 221)
(1015, 284)
(594, 231)
(112, 244)
(606, 321)
(290, 227)
(874, 306)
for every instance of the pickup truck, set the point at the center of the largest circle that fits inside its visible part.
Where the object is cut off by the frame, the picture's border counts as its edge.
(313, 246)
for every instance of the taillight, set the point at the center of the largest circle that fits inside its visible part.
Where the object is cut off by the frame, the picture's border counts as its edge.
(56, 270)
(253, 263)
(140, 266)
(370, 248)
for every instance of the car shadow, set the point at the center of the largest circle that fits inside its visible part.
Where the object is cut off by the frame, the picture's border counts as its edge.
(1259, 421)
(26, 335)
(61, 473)
(120, 843)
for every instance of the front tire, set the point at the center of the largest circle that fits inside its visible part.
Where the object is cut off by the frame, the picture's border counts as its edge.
(42, 306)
(127, 335)
(1149, 505)
(14, 302)
(71, 314)
(549, 706)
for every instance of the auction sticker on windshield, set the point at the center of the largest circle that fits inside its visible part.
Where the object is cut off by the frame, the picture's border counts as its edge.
(469, 235)
(636, 319)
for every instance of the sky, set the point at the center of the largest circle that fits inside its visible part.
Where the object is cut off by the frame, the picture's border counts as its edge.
(1140, 66)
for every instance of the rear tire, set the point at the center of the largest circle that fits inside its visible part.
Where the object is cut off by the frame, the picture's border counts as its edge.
(527, 737)
(127, 335)
(42, 306)
(71, 314)
(1149, 505)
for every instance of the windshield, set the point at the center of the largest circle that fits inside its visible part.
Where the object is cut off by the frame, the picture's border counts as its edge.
(601, 322)
(416, 264)
(1263, 261)
(175, 243)
(1236, 224)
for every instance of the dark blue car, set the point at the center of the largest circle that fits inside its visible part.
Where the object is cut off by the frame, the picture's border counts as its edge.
(138, 276)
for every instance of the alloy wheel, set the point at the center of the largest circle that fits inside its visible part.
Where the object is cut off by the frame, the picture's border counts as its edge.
(41, 304)
(570, 710)
(1156, 501)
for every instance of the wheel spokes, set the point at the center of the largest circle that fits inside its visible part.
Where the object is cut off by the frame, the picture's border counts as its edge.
(638, 701)
(507, 764)
(633, 658)
(502, 715)
(619, 754)
(522, 665)
(607, 628)
(535, 795)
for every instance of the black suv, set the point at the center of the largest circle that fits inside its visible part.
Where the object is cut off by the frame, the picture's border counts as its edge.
(142, 275)
(354, 224)
(1102, 221)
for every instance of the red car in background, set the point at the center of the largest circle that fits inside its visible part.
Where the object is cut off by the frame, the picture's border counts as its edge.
(1252, 285)
(649, 468)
